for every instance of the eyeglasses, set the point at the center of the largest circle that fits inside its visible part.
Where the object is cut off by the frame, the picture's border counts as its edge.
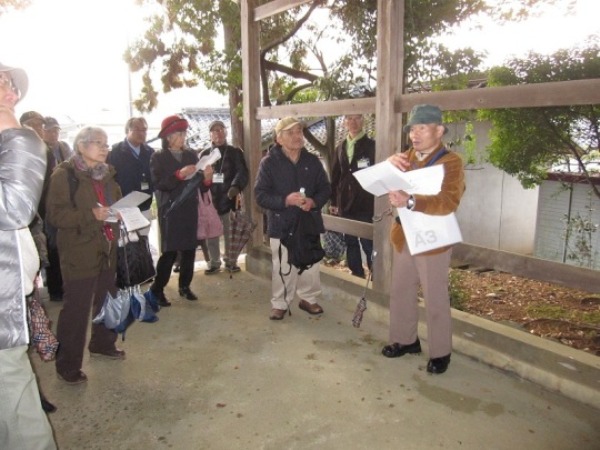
(143, 130)
(99, 144)
(7, 82)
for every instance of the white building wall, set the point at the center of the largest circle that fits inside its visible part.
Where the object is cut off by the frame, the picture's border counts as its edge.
(495, 212)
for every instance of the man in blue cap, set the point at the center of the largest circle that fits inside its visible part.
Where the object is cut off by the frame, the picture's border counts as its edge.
(23, 423)
(429, 269)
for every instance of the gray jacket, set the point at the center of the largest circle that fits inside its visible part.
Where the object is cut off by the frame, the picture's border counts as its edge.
(22, 170)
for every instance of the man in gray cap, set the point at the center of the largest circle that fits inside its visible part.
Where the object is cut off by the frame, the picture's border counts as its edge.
(22, 169)
(429, 269)
(229, 179)
(60, 149)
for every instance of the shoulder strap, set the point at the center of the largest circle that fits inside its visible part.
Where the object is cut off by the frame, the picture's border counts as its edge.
(73, 184)
(437, 156)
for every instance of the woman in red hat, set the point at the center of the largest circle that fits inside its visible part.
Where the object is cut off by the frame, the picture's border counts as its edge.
(171, 167)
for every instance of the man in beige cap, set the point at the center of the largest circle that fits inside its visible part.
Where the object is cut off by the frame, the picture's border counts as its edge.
(23, 423)
(291, 179)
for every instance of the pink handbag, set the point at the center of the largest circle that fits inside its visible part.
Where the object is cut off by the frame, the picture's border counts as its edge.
(209, 222)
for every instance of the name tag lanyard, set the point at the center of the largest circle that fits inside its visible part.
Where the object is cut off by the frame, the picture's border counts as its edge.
(219, 177)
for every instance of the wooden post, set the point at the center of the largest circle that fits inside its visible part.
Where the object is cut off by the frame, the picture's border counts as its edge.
(251, 101)
(388, 126)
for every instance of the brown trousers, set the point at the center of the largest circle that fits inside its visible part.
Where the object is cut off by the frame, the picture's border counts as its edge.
(82, 297)
(431, 272)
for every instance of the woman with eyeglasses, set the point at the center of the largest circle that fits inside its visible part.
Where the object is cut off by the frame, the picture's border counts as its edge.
(79, 198)
(172, 167)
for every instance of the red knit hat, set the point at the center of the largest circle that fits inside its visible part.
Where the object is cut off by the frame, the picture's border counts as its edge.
(172, 124)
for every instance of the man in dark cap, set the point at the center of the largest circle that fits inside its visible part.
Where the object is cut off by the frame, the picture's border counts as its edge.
(22, 168)
(60, 149)
(37, 122)
(429, 269)
(229, 179)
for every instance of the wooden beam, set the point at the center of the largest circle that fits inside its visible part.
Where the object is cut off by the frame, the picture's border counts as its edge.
(556, 93)
(347, 226)
(319, 109)
(275, 7)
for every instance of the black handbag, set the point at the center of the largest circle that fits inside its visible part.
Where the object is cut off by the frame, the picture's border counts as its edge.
(134, 261)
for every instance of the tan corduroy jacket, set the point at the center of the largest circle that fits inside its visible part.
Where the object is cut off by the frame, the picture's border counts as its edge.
(441, 204)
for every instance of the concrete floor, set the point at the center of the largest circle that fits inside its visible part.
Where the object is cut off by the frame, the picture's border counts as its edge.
(217, 374)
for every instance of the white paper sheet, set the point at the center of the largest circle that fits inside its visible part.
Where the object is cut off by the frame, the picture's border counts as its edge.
(133, 219)
(134, 198)
(131, 215)
(382, 178)
(425, 232)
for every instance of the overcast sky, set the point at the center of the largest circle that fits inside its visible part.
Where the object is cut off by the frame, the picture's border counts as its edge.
(72, 51)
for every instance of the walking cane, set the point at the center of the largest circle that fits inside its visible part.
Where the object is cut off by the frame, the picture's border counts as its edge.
(362, 303)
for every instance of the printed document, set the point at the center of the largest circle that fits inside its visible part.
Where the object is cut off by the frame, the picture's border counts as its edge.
(423, 232)
(132, 217)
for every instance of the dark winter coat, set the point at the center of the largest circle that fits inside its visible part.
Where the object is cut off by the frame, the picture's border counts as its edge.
(83, 249)
(178, 229)
(132, 170)
(347, 193)
(233, 165)
(278, 177)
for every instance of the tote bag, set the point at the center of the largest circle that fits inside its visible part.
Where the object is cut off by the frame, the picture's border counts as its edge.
(134, 261)
(209, 223)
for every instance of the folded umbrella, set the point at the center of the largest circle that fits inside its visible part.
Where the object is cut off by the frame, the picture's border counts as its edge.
(240, 230)
(189, 189)
(362, 303)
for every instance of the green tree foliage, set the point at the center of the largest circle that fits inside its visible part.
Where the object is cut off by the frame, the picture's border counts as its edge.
(188, 41)
(527, 142)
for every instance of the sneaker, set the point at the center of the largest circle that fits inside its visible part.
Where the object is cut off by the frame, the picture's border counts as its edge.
(233, 268)
(212, 271)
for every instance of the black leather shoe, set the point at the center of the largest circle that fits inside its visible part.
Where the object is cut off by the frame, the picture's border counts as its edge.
(161, 299)
(187, 294)
(396, 350)
(110, 354)
(438, 365)
(47, 406)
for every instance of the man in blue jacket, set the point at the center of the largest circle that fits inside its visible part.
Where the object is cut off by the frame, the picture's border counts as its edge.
(291, 179)
(131, 160)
